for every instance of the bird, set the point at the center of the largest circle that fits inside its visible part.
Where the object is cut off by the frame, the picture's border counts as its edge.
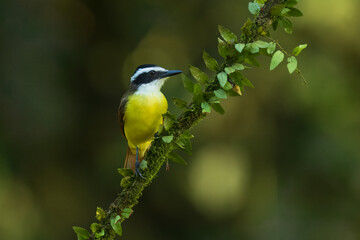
(140, 111)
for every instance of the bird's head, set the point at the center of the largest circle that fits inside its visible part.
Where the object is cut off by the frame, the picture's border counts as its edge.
(150, 77)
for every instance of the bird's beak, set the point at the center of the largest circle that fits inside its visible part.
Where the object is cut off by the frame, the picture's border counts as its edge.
(170, 73)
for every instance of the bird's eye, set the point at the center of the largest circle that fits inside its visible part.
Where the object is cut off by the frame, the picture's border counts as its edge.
(152, 72)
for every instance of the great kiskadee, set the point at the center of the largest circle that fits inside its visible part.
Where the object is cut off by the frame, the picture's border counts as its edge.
(141, 109)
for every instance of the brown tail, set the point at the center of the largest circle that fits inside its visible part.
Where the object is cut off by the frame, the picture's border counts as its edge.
(130, 160)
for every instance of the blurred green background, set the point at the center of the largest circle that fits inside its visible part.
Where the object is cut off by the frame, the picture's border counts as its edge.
(282, 163)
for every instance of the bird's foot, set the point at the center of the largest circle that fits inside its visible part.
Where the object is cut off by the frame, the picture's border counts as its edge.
(137, 170)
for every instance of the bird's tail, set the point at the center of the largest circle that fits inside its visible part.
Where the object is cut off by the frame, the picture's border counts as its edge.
(130, 160)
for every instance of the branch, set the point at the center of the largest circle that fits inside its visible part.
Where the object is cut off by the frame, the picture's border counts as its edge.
(207, 94)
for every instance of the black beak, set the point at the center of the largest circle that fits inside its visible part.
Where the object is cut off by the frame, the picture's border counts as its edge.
(170, 73)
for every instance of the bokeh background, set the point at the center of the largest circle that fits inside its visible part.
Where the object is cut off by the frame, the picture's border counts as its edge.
(282, 163)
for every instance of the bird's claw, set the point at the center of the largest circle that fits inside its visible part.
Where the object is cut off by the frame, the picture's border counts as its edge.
(137, 170)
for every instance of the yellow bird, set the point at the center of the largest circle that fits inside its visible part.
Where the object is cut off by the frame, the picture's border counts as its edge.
(140, 111)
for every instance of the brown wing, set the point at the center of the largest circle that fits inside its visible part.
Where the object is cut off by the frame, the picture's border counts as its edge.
(121, 112)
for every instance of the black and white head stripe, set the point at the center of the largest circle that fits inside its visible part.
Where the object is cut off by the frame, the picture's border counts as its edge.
(148, 72)
(147, 68)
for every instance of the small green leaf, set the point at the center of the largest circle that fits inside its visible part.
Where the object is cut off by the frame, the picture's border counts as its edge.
(227, 35)
(124, 172)
(184, 144)
(261, 44)
(97, 230)
(116, 224)
(198, 94)
(169, 120)
(276, 10)
(222, 77)
(286, 23)
(271, 48)
(223, 48)
(276, 59)
(205, 106)
(188, 84)
(292, 12)
(214, 99)
(227, 86)
(292, 64)
(298, 49)
(260, 1)
(187, 135)
(81, 233)
(174, 157)
(252, 61)
(251, 47)
(218, 108)
(220, 93)
(275, 24)
(179, 103)
(210, 62)
(291, 3)
(239, 47)
(246, 82)
(254, 8)
(229, 70)
(238, 66)
(167, 139)
(100, 213)
(236, 78)
(143, 165)
(127, 210)
(199, 75)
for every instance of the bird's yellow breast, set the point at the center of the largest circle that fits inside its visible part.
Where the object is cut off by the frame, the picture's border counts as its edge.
(142, 117)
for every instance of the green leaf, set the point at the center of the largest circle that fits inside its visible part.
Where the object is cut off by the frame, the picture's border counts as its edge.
(239, 47)
(252, 61)
(174, 157)
(246, 82)
(276, 10)
(227, 86)
(254, 8)
(271, 48)
(198, 94)
(184, 144)
(223, 48)
(143, 165)
(97, 230)
(214, 99)
(276, 59)
(179, 103)
(205, 106)
(227, 35)
(292, 64)
(229, 70)
(188, 84)
(286, 23)
(100, 213)
(210, 62)
(251, 47)
(292, 12)
(116, 224)
(167, 139)
(222, 77)
(125, 172)
(199, 75)
(81, 233)
(218, 108)
(220, 93)
(291, 3)
(236, 78)
(169, 120)
(261, 44)
(127, 210)
(275, 24)
(187, 135)
(260, 1)
(238, 66)
(298, 49)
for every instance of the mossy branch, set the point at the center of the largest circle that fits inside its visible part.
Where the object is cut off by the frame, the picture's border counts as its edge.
(268, 13)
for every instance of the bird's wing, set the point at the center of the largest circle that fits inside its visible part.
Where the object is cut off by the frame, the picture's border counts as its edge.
(121, 112)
